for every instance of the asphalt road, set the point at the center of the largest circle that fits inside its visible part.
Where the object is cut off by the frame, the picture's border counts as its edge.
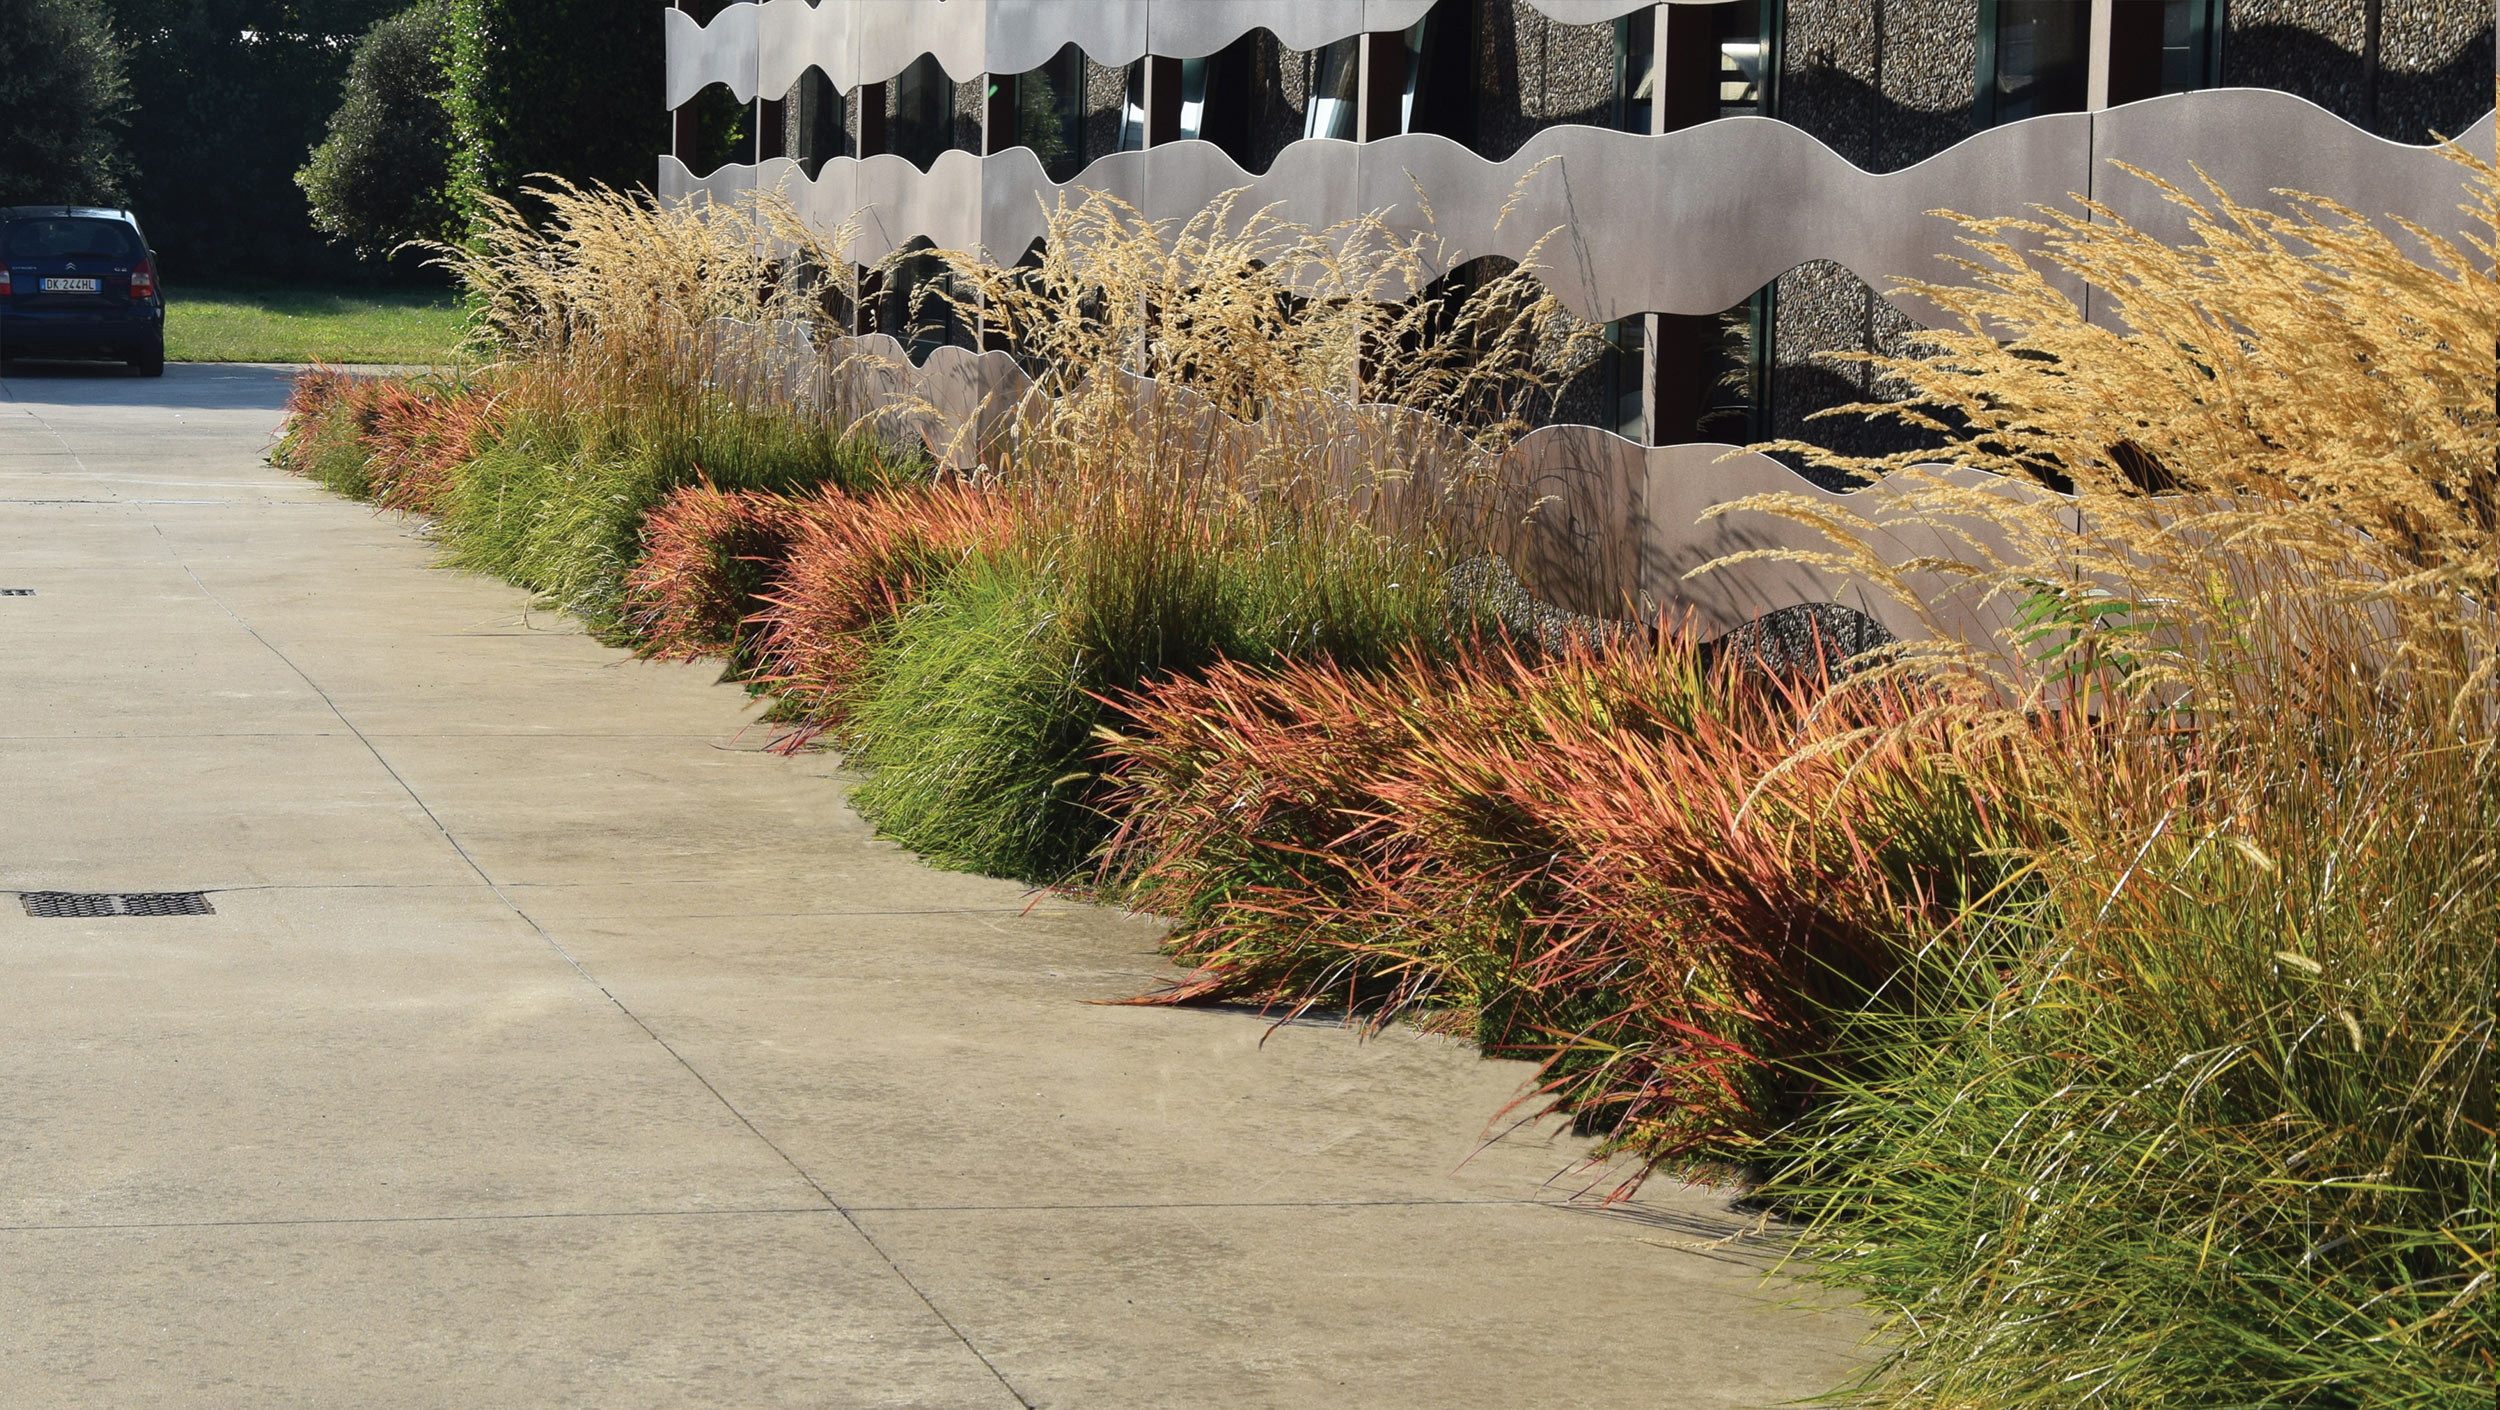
(550, 1044)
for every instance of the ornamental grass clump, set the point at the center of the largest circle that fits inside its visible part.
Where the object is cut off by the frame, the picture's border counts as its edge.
(707, 556)
(851, 568)
(1660, 880)
(1192, 483)
(397, 442)
(624, 376)
(329, 413)
(2203, 1115)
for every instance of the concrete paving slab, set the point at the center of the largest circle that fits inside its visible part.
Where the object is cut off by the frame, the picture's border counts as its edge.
(591, 1310)
(1377, 1306)
(552, 1044)
(319, 1053)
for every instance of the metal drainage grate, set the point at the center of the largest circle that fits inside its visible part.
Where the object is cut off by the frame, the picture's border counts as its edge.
(85, 905)
(17, 592)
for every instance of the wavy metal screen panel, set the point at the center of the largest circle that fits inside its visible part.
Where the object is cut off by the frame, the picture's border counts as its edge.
(1687, 222)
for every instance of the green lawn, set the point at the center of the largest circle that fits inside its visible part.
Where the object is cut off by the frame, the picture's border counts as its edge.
(274, 323)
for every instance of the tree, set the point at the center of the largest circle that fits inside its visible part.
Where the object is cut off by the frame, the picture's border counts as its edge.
(63, 94)
(378, 180)
(571, 87)
(230, 97)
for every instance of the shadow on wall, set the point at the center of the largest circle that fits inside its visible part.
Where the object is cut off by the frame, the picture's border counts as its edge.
(1875, 132)
(2403, 106)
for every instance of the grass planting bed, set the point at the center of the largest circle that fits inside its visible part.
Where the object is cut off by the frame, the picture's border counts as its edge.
(2107, 1004)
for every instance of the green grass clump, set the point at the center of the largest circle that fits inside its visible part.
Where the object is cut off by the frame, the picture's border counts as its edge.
(556, 501)
(2208, 1120)
(981, 723)
(329, 449)
(280, 323)
(976, 717)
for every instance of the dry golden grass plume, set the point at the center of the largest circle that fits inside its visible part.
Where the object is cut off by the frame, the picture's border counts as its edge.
(1249, 311)
(2276, 447)
(621, 287)
(1243, 373)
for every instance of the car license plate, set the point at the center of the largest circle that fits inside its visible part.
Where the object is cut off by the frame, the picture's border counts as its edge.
(73, 286)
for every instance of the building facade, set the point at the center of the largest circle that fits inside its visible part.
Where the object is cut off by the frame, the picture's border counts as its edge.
(1724, 258)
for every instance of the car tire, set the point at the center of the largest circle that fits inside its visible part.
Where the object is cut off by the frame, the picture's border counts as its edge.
(151, 362)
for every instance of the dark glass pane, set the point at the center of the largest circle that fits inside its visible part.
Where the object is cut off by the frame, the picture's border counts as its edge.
(1636, 70)
(1735, 371)
(73, 238)
(1336, 73)
(1050, 113)
(2042, 48)
(1740, 60)
(1627, 361)
(1412, 42)
(920, 112)
(1193, 121)
(811, 117)
(2185, 45)
(1133, 109)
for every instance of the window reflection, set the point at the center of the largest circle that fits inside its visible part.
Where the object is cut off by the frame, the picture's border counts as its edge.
(1636, 71)
(1133, 109)
(920, 112)
(1335, 89)
(1048, 104)
(1718, 63)
(2033, 58)
(2187, 46)
(812, 126)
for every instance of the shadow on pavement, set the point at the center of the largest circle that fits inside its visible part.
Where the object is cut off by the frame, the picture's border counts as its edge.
(222, 386)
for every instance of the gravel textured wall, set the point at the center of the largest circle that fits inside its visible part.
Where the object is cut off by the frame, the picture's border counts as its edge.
(1820, 307)
(1106, 93)
(971, 110)
(1885, 83)
(2434, 71)
(1533, 73)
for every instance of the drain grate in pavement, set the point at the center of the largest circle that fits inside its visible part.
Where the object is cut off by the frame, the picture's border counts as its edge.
(17, 592)
(85, 905)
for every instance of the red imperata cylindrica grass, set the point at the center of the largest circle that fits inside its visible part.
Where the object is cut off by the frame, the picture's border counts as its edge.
(1656, 878)
(419, 436)
(707, 553)
(853, 565)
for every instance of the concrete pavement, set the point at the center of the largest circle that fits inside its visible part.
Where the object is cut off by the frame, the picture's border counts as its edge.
(552, 1045)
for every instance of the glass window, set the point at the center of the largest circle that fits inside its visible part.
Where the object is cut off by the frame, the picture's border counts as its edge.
(1193, 99)
(811, 117)
(1133, 109)
(1627, 361)
(2187, 44)
(2033, 58)
(1717, 64)
(1335, 89)
(1413, 43)
(73, 237)
(1736, 374)
(1050, 113)
(1740, 76)
(920, 112)
(1636, 70)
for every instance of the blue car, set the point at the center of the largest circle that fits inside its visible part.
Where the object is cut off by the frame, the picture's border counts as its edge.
(79, 281)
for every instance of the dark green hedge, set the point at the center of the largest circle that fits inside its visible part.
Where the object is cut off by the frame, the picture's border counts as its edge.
(378, 179)
(573, 87)
(62, 95)
(230, 96)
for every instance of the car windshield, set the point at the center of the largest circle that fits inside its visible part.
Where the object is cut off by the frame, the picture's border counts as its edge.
(72, 237)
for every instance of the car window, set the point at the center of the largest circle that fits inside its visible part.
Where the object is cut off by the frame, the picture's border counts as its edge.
(72, 237)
